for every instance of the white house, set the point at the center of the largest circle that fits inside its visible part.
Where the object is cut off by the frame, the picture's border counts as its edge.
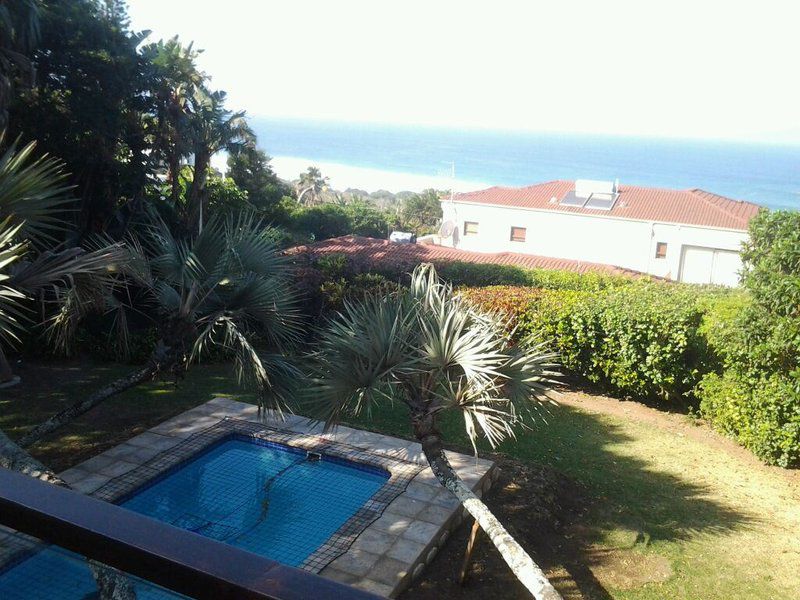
(686, 235)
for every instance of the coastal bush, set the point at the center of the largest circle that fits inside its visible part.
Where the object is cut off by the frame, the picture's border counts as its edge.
(481, 275)
(762, 414)
(755, 396)
(327, 221)
(640, 340)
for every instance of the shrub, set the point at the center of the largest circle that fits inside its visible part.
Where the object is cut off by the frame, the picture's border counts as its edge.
(515, 301)
(764, 416)
(640, 340)
(333, 220)
(483, 275)
(756, 397)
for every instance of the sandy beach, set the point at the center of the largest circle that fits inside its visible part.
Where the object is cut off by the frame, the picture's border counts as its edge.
(345, 176)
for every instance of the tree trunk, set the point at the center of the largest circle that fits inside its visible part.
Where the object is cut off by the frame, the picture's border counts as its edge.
(175, 179)
(113, 584)
(523, 567)
(303, 193)
(197, 192)
(77, 409)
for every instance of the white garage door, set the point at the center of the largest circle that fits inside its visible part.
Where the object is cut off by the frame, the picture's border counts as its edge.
(709, 265)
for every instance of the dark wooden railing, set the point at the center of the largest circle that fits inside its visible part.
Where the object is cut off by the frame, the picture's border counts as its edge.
(176, 559)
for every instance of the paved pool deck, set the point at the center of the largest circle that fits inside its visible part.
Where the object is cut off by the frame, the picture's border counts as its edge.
(388, 553)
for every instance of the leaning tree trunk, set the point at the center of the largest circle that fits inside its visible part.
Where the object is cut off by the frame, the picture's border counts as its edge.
(113, 584)
(522, 565)
(77, 409)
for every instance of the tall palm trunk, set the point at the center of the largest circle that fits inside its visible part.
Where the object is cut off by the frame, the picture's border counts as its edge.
(175, 179)
(521, 564)
(113, 584)
(197, 192)
(77, 409)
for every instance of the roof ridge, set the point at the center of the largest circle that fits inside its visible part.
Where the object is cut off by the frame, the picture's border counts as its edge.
(702, 196)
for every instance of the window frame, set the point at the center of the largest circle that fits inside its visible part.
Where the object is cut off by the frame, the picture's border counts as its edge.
(467, 229)
(659, 247)
(524, 231)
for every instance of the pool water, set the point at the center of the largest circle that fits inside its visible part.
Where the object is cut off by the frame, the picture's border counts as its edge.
(259, 496)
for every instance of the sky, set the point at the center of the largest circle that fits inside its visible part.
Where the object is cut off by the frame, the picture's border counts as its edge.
(674, 68)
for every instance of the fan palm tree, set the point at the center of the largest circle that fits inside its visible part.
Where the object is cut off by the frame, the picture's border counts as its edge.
(32, 194)
(213, 128)
(33, 197)
(426, 347)
(311, 183)
(218, 289)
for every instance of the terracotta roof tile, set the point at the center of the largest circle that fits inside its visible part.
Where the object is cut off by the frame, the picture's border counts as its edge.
(690, 207)
(385, 252)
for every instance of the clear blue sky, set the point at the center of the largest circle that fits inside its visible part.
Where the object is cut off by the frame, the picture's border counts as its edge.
(686, 68)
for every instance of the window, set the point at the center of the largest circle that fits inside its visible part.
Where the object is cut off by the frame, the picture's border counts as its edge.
(661, 249)
(470, 228)
(518, 234)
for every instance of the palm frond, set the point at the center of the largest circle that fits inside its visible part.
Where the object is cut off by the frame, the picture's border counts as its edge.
(34, 192)
(272, 376)
(437, 353)
(362, 353)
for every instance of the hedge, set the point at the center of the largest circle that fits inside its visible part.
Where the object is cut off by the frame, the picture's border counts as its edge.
(640, 340)
(478, 274)
(762, 414)
(754, 395)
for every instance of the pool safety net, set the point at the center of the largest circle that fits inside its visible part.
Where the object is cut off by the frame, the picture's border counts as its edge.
(295, 472)
(33, 570)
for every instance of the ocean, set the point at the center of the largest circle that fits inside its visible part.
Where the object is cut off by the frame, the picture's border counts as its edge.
(766, 174)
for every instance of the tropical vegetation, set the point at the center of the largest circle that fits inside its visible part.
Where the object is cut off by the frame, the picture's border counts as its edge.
(176, 263)
(425, 347)
(755, 394)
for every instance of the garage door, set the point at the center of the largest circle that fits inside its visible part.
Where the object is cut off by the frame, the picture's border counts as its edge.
(710, 265)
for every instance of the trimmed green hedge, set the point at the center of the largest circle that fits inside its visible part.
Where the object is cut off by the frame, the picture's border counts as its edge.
(762, 414)
(640, 340)
(754, 395)
(480, 275)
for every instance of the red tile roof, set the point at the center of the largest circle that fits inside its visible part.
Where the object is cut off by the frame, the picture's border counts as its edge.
(385, 252)
(690, 207)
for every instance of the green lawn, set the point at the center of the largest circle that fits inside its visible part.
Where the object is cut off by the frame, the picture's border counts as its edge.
(707, 523)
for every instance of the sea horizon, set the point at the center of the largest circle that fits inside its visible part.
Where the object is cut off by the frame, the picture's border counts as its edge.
(397, 158)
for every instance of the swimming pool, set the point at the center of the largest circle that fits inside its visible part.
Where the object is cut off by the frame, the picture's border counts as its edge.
(275, 500)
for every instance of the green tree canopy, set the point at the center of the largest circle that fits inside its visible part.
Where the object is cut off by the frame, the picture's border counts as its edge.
(422, 213)
(87, 104)
(249, 167)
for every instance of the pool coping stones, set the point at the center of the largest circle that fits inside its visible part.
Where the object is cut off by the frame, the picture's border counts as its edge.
(413, 522)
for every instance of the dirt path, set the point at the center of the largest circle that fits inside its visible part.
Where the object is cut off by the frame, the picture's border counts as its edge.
(677, 424)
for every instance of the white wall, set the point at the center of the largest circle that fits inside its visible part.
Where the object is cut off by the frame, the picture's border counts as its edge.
(600, 239)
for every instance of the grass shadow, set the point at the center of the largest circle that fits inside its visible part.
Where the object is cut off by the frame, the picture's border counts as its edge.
(625, 500)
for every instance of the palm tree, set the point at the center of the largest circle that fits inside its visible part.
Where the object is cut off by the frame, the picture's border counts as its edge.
(19, 34)
(219, 289)
(174, 76)
(312, 183)
(426, 347)
(32, 193)
(213, 128)
(33, 197)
